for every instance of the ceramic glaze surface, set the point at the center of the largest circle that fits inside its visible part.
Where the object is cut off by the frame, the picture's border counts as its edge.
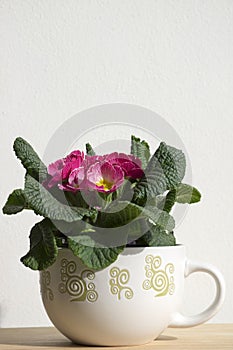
(130, 302)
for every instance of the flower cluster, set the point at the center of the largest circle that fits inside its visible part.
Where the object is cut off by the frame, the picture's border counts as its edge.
(103, 173)
(84, 211)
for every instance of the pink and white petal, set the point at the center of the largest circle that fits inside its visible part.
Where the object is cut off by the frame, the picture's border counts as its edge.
(94, 173)
(108, 172)
(81, 174)
(118, 174)
(73, 176)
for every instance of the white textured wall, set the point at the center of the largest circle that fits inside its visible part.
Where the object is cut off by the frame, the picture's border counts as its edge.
(174, 57)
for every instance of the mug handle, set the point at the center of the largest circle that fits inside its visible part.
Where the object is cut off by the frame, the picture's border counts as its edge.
(179, 320)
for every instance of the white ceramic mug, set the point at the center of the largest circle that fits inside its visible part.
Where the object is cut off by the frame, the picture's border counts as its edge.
(130, 302)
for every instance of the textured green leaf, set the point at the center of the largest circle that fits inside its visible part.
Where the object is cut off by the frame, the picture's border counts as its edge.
(187, 194)
(173, 163)
(30, 160)
(74, 199)
(44, 204)
(157, 237)
(70, 228)
(160, 218)
(119, 213)
(89, 150)
(135, 230)
(43, 249)
(16, 202)
(124, 212)
(169, 200)
(164, 171)
(91, 254)
(184, 194)
(141, 150)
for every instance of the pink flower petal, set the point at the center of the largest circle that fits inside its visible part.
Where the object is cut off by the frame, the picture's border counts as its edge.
(74, 156)
(119, 174)
(55, 167)
(94, 173)
(132, 170)
(108, 172)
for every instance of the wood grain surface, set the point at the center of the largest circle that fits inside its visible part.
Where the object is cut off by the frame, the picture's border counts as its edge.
(208, 336)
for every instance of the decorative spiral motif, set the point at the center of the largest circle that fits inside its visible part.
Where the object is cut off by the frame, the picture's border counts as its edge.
(157, 278)
(92, 296)
(146, 284)
(118, 283)
(170, 267)
(160, 282)
(75, 285)
(46, 292)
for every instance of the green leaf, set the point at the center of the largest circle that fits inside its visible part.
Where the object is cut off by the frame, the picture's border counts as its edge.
(89, 150)
(91, 254)
(124, 192)
(184, 194)
(187, 194)
(169, 200)
(119, 213)
(123, 212)
(173, 163)
(160, 218)
(71, 228)
(164, 171)
(141, 150)
(135, 230)
(44, 204)
(16, 202)
(43, 249)
(30, 160)
(157, 237)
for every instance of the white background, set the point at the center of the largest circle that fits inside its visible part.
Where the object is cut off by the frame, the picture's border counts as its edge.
(174, 57)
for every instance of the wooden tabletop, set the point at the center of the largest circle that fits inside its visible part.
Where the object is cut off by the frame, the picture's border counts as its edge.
(208, 336)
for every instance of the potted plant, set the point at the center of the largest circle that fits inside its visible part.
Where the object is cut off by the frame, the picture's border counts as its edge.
(111, 272)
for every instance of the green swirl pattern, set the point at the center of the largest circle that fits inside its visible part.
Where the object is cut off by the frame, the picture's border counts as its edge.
(118, 283)
(158, 279)
(76, 286)
(45, 281)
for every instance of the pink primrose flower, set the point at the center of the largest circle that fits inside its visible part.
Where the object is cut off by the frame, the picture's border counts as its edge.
(104, 176)
(60, 170)
(55, 172)
(72, 161)
(101, 173)
(129, 164)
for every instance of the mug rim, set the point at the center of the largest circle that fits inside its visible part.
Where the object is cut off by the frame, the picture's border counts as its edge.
(141, 249)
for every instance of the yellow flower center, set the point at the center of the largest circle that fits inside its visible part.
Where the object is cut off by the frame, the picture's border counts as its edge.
(106, 184)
